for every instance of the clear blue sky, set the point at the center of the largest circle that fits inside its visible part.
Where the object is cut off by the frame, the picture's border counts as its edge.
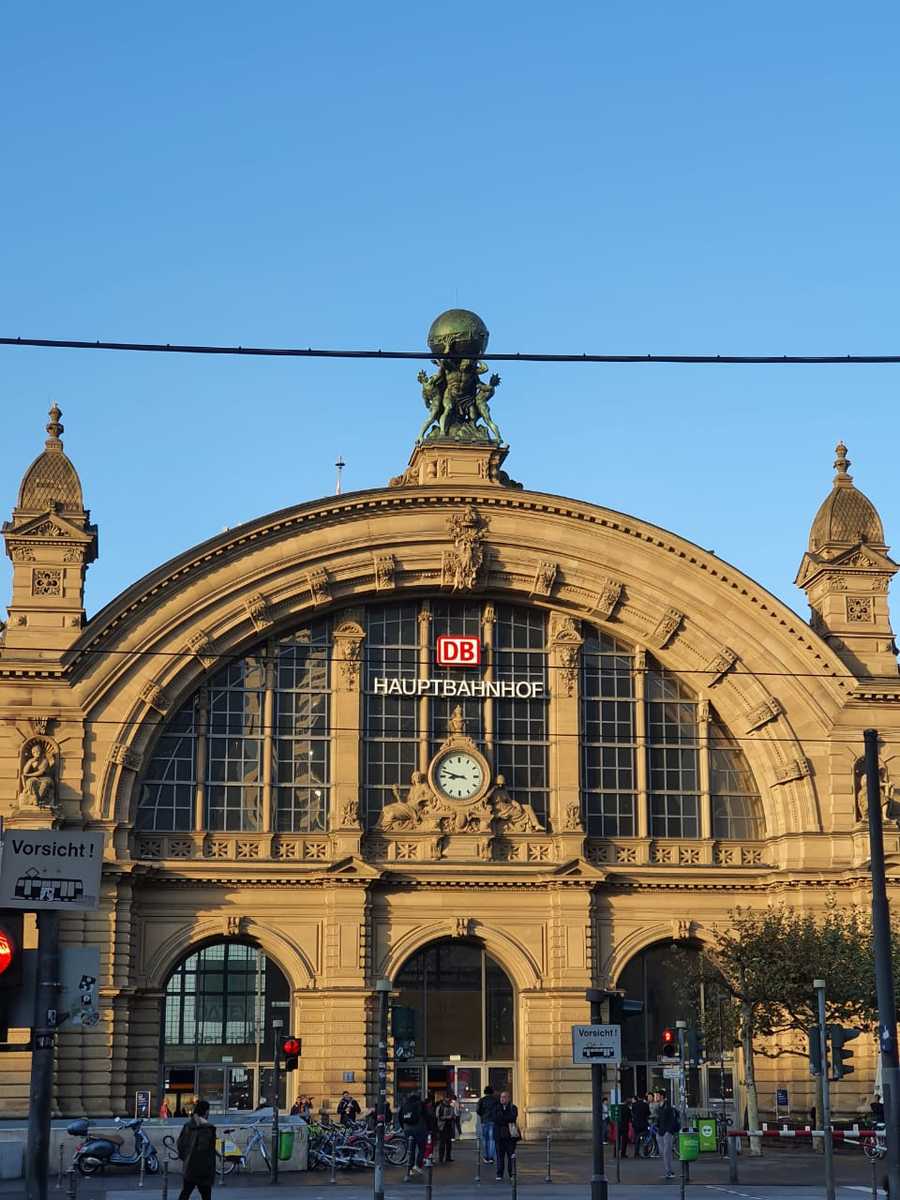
(613, 177)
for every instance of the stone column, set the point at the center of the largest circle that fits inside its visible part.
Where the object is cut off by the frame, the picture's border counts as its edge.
(565, 745)
(346, 721)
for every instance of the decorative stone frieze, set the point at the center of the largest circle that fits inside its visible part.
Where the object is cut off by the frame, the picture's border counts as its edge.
(154, 697)
(319, 586)
(461, 567)
(796, 768)
(202, 647)
(544, 578)
(761, 714)
(385, 569)
(721, 664)
(566, 642)
(124, 756)
(608, 597)
(258, 611)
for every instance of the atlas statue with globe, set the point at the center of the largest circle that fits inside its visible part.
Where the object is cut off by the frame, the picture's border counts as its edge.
(456, 396)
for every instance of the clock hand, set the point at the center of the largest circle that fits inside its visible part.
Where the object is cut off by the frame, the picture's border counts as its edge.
(450, 775)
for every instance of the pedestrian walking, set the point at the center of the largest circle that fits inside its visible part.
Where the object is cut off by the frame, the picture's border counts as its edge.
(667, 1125)
(507, 1122)
(486, 1111)
(446, 1116)
(197, 1150)
(640, 1122)
(412, 1122)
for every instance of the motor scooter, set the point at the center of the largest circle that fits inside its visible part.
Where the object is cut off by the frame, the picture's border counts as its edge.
(96, 1152)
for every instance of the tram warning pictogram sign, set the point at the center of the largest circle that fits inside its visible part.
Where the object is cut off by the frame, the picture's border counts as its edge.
(50, 869)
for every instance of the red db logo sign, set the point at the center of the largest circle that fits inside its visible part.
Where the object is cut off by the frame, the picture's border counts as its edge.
(458, 651)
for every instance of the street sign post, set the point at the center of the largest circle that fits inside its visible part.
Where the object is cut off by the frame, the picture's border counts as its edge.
(599, 1045)
(50, 870)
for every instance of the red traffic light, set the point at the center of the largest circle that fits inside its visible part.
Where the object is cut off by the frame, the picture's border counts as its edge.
(290, 1047)
(8, 950)
(669, 1047)
(668, 1037)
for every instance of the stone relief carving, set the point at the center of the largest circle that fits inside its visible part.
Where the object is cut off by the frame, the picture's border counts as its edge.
(45, 581)
(39, 774)
(463, 926)
(421, 810)
(567, 641)
(607, 598)
(201, 645)
(462, 565)
(544, 578)
(124, 756)
(797, 768)
(73, 554)
(721, 664)
(350, 814)
(348, 643)
(319, 586)
(666, 628)
(21, 553)
(571, 822)
(40, 724)
(258, 611)
(385, 568)
(154, 697)
(859, 609)
(769, 710)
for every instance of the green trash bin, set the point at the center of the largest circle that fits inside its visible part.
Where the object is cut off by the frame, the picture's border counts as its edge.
(688, 1147)
(615, 1111)
(285, 1144)
(706, 1130)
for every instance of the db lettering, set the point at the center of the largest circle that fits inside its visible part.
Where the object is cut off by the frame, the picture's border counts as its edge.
(458, 651)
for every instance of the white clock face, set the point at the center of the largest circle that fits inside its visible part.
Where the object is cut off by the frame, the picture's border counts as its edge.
(459, 775)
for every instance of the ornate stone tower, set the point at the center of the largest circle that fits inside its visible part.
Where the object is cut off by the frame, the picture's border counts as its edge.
(51, 542)
(846, 573)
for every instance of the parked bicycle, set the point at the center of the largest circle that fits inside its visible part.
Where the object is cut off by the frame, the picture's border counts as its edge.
(875, 1147)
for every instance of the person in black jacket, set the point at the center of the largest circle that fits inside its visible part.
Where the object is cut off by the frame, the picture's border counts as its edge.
(486, 1109)
(507, 1134)
(667, 1125)
(197, 1150)
(623, 1129)
(640, 1121)
(412, 1122)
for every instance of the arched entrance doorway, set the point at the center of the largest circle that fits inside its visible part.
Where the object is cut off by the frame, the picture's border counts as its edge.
(676, 983)
(217, 1037)
(465, 1024)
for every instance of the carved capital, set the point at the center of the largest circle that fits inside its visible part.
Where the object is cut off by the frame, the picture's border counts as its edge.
(319, 586)
(258, 611)
(385, 569)
(666, 628)
(349, 635)
(20, 552)
(566, 641)
(462, 927)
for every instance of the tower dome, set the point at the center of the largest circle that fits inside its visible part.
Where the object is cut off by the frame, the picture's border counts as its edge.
(51, 481)
(846, 517)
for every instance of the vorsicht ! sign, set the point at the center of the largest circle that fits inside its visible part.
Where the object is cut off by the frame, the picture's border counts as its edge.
(50, 869)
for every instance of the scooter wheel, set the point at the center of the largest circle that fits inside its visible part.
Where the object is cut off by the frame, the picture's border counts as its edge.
(89, 1166)
(151, 1166)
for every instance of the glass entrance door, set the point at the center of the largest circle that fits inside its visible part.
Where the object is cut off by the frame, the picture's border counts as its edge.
(465, 1081)
(228, 1089)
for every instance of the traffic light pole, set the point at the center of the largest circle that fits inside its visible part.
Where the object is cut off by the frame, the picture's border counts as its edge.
(599, 1184)
(819, 985)
(884, 980)
(382, 989)
(276, 1084)
(37, 1150)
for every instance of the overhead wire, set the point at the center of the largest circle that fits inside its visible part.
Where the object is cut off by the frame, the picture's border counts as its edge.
(428, 355)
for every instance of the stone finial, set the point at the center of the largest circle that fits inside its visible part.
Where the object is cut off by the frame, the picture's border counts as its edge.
(841, 463)
(54, 428)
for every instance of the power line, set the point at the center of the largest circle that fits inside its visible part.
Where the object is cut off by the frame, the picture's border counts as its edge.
(368, 657)
(428, 355)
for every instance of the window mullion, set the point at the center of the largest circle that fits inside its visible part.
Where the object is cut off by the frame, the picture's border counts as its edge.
(202, 755)
(642, 748)
(487, 710)
(268, 741)
(703, 755)
(424, 662)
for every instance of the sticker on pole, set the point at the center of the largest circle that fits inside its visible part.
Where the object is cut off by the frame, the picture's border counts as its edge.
(599, 1045)
(44, 869)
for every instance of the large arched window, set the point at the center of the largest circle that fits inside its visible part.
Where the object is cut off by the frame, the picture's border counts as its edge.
(401, 732)
(217, 1035)
(655, 760)
(250, 750)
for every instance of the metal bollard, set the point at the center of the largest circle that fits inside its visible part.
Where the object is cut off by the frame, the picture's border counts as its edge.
(59, 1176)
(222, 1165)
(874, 1179)
(165, 1181)
(141, 1169)
(548, 1177)
(410, 1158)
(72, 1185)
(333, 1176)
(477, 1157)
(732, 1159)
(428, 1171)
(514, 1173)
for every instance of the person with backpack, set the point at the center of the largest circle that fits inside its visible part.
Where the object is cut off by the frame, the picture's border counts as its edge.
(507, 1118)
(667, 1125)
(486, 1111)
(412, 1122)
(446, 1116)
(197, 1150)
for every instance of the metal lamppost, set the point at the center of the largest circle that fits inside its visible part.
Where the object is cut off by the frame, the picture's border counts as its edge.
(382, 990)
(599, 1184)
(276, 1084)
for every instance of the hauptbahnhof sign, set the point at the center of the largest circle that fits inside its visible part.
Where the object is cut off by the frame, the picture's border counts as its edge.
(464, 688)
